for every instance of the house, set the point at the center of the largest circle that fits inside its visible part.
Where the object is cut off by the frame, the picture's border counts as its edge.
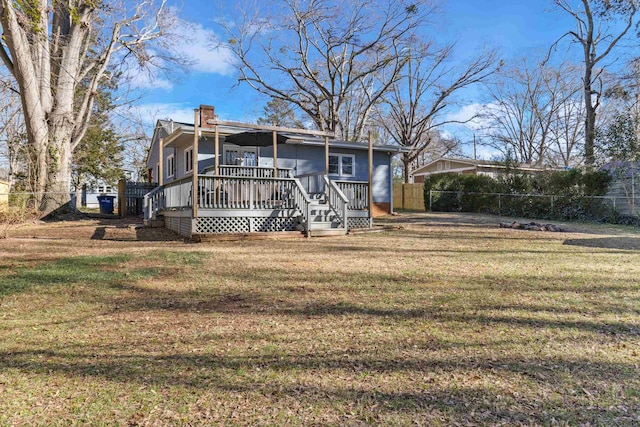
(468, 167)
(253, 178)
(91, 192)
(4, 193)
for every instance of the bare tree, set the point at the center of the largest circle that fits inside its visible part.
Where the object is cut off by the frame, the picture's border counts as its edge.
(567, 121)
(529, 106)
(59, 52)
(12, 132)
(332, 59)
(600, 26)
(416, 102)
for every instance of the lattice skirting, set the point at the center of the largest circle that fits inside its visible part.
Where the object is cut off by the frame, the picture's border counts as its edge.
(215, 225)
(180, 225)
(356, 222)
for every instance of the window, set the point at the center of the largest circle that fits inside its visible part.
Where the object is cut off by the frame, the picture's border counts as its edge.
(439, 166)
(171, 166)
(249, 157)
(105, 189)
(447, 165)
(234, 155)
(188, 160)
(230, 156)
(341, 164)
(334, 165)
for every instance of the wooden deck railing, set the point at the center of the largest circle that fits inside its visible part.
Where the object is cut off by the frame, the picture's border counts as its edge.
(172, 196)
(241, 192)
(253, 191)
(357, 192)
(313, 183)
(250, 171)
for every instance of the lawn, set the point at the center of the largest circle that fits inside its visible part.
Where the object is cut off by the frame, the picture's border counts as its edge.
(445, 320)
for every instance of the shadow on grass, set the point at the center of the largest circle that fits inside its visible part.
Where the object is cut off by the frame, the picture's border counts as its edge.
(270, 376)
(97, 271)
(627, 243)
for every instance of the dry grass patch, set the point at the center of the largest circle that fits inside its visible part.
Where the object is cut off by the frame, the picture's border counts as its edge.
(441, 322)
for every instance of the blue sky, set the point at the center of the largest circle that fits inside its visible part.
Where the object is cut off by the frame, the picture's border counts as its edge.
(517, 28)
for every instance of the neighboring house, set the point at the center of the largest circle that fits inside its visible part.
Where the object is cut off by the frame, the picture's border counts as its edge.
(468, 167)
(90, 193)
(265, 179)
(4, 193)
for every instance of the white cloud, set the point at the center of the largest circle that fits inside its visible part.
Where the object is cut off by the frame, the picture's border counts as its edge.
(148, 114)
(202, 47)
(179, 112)
(468, 116)
(145, 79)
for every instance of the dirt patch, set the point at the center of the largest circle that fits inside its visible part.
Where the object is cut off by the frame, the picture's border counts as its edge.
(113, 229)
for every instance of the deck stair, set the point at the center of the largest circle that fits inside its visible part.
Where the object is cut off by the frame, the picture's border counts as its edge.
(322, 221)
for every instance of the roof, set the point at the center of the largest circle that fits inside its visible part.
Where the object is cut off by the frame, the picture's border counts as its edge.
(477, 163)
(253, 135)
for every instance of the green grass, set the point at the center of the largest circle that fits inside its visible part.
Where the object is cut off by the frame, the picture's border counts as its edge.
(433, 324)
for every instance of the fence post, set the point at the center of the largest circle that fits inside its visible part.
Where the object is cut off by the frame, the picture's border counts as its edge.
(633, 193)
(430, 200)
(552, 200)
(122, 197)
(499, 205)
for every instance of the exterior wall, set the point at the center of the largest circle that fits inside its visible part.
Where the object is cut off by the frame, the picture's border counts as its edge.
(380, 209)
(4, 196)
(310, 159)
(90, 197)
(154, 153)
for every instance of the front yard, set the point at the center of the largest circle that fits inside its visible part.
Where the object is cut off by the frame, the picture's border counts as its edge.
(447, 319)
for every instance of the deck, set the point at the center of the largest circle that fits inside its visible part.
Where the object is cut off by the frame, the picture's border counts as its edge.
(239, 199)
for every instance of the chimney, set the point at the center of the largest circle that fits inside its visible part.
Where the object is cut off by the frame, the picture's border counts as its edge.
(207, 118)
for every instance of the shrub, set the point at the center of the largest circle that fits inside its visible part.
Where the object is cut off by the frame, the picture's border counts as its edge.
(11, 216)
(563, 195)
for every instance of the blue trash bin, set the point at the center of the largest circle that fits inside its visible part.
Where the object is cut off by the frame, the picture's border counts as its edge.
(106, 204)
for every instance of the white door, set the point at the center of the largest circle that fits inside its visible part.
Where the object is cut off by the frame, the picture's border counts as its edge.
(249, 156)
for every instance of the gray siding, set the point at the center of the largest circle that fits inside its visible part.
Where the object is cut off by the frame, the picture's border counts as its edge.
(154, 153)
(310, 159)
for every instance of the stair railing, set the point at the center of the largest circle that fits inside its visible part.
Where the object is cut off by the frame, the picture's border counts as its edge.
(338, 202)
(153, 203)
(302, 202)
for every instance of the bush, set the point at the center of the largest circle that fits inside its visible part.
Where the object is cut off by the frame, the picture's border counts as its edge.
(563, 195)
(11, 216)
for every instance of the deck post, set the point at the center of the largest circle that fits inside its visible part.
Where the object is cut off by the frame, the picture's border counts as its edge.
(161, 162)
(216, 151)
(194, 159)
(275, 154)
(326, 155)
(370, 192)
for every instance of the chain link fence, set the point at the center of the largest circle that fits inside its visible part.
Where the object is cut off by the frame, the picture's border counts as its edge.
(580, 208)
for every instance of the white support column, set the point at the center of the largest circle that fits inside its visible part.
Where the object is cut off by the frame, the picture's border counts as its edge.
(194, 159)
(161, 162)
(370, 177)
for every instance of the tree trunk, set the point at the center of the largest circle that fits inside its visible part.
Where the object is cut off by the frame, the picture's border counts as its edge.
(589, 124)
(406, 165)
